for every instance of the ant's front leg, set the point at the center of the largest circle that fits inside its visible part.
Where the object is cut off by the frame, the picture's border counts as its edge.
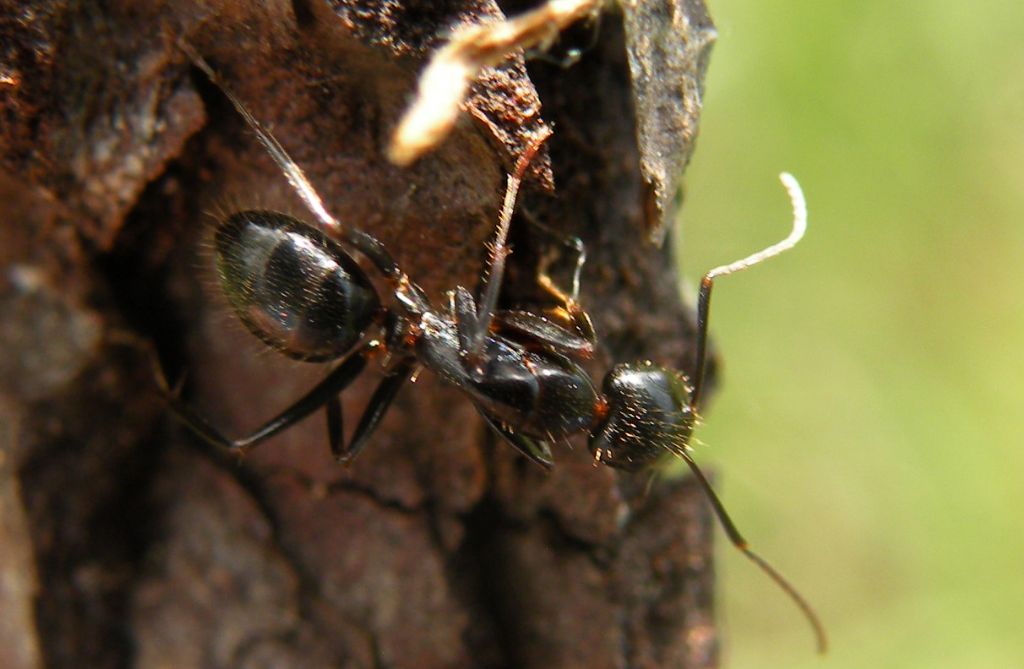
(567, 308)
(563, 327)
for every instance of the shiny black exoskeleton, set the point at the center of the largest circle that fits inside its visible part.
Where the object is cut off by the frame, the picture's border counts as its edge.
(297, 288)
(301, 293)
(292, 286)
(648, 416)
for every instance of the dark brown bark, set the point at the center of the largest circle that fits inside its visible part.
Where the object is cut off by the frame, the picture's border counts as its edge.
(131, 544)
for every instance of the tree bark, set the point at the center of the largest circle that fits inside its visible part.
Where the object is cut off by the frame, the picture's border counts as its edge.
(127, 542)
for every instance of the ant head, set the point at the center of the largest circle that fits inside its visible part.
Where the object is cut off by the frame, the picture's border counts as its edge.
(648, 415)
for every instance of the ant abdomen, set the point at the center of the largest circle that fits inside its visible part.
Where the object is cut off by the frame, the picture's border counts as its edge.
(648, 416)
(292, 286)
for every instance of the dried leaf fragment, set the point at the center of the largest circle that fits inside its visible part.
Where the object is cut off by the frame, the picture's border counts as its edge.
(446, 80)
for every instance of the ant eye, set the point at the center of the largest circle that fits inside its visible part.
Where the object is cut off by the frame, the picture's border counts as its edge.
(292, 286)
(648, 416)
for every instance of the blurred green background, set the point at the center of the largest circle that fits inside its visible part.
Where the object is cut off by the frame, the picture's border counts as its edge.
(868, 432)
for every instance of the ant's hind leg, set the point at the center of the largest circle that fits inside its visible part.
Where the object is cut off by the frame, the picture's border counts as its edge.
(322, 394)
(300, 183)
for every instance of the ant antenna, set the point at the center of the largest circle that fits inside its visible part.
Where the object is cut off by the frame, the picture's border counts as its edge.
(799, 204)
(739, 542)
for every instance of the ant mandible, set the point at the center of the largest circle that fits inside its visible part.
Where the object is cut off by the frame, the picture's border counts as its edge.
(296, 287)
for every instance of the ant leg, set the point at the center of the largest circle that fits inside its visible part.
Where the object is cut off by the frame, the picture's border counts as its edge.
(320, 395)
(363, 242)
(799, 204)
(543, 331)
(379, 403)
(335, 426)
(463, 308)
(573, 244)
(495, 272)
(565, 328)
(537, 451)
(569, 307)
(740, 543)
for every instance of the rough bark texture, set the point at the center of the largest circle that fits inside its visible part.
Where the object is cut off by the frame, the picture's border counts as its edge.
(126, 542)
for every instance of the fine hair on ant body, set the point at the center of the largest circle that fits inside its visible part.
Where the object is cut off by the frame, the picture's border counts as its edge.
(296, 287)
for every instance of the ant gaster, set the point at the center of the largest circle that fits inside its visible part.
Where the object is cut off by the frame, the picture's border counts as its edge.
(296, 287)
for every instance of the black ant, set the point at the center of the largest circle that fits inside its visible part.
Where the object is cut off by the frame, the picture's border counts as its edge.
(297, 288)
